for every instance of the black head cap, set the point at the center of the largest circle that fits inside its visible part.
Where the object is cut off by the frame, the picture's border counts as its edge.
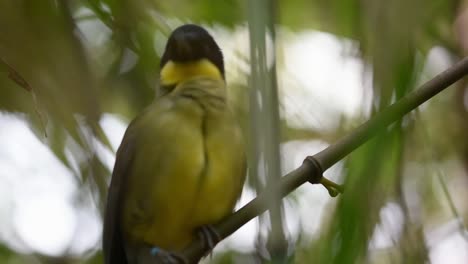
(190, 43)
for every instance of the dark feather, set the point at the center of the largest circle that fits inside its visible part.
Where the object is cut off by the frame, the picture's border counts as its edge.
(113, 244)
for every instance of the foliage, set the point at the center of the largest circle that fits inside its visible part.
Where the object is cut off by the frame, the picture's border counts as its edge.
(82, 59)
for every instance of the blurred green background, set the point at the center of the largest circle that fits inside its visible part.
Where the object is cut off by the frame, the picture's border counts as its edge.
(91, 66)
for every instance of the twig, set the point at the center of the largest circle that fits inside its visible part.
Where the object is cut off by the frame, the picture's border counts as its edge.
(265, 115)
(313, 166)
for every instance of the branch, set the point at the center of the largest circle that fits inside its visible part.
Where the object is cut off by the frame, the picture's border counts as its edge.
(314, 166)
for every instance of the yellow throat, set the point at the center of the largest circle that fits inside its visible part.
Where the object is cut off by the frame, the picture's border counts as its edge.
(174, 73)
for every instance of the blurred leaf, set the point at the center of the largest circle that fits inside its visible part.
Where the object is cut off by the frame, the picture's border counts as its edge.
(83, 58)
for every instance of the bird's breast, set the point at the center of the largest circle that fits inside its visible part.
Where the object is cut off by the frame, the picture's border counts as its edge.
(188, 172)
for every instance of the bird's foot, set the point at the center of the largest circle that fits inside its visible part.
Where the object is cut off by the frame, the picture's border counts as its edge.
(209, 236)
(166, 257)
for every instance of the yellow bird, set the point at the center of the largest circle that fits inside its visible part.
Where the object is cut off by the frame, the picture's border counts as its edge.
(181, 164)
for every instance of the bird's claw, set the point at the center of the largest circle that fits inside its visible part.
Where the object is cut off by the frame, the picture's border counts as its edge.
(166, 257)
(209, 236)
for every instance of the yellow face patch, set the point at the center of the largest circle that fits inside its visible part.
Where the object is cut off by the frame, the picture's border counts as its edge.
(177, 72)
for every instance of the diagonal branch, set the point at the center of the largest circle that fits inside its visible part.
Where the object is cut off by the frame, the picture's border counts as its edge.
(313, 167)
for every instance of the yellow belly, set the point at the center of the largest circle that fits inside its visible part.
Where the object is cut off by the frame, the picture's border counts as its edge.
(224, 173)
(188, 172)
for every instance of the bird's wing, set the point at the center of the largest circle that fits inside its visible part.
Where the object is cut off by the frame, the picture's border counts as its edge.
(113, 246)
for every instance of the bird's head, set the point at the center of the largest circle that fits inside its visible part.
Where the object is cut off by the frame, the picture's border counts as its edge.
(190, 52)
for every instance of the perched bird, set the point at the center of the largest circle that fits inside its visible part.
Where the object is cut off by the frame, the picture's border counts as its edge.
(181, 164)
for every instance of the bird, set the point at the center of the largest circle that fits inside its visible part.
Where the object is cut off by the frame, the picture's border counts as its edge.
(181, 165)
